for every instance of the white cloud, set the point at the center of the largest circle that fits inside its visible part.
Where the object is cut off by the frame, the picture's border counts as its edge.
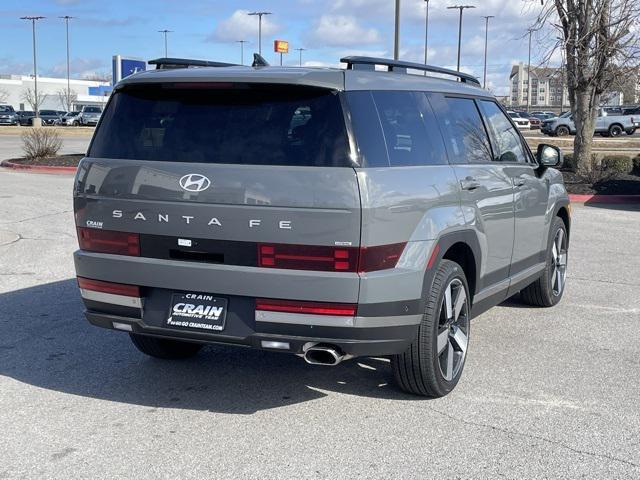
(342, 31)
(80, 67)
(241, 26)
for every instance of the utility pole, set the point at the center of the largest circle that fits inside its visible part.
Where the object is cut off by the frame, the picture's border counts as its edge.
(241, 42)
(66, 19)
(486, 41)
(166, 49)
(426, 36)
(259, 14)
(396, 39)
(35, 64)
(529, 73)
(300, 50)
(461, 8)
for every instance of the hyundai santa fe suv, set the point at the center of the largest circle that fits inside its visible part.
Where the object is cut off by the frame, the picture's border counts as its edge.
(327, 213)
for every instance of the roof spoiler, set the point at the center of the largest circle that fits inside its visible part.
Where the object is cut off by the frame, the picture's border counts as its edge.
(171, 63)
(369, 63)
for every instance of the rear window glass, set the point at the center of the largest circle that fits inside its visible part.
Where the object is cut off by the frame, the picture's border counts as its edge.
(6, 108)
(238, 124)
(92, 110)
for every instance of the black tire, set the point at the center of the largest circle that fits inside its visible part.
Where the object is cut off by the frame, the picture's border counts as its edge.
(543, 292)
(419, 370)
(615, 130)
(562, 131)
(164, 347)
(631, 131)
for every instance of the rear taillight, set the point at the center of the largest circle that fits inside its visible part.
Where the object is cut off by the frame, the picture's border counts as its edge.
(312, 308)
(109, 287)
(107, 241)
(329, 259)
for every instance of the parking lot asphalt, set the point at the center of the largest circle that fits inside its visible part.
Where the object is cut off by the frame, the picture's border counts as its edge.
(546, 393)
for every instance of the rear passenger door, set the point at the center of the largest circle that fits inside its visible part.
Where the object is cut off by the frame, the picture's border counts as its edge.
(487, 189)
(531, 190)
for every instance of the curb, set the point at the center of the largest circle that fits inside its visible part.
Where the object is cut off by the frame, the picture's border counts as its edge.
(38, 168)
(624, 199)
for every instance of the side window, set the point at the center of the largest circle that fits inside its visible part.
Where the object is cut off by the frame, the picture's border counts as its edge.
(410, 129)
(367, 129)
(464, 133)
(507, 144)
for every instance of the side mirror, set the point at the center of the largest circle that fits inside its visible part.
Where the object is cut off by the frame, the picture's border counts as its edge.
(549, 156)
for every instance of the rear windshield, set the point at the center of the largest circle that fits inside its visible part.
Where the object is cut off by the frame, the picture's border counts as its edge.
(235, 124)
(92, 110)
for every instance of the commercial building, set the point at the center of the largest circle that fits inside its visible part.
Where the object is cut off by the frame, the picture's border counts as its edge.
(15, 90)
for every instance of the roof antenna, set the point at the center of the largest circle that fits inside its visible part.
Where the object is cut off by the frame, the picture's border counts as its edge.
(259, 61)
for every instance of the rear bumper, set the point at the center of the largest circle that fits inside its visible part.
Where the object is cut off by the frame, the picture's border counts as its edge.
(377, 329)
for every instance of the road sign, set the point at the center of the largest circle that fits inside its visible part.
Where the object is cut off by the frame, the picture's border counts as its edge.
(281, 46)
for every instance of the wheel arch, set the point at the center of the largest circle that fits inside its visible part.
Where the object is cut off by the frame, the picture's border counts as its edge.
(562, 211)
(461, 247)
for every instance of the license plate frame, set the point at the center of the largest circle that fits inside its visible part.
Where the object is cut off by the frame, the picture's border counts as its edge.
(201, 312)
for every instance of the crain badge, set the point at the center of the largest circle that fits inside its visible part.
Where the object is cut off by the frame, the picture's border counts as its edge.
(199, 311)
(194, 182)
(94, 224)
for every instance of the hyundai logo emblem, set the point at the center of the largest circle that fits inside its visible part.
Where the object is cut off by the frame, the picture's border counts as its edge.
(194, 182)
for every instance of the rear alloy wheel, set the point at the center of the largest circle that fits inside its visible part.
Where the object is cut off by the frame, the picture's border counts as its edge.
(562, 131)
(163, 347)
(549, 288)
(615, 130)
(433, 364)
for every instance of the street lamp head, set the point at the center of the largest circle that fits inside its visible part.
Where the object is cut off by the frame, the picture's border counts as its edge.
(259, 13)
(461, 7)
(66, 17)
(32, 18)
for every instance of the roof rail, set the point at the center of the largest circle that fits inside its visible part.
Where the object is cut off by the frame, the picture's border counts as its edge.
(369, 63)
(169, 63)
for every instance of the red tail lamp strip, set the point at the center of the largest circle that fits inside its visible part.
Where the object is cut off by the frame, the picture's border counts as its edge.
(108, 241)
(109, 287)
(312, 308)
(329, 259)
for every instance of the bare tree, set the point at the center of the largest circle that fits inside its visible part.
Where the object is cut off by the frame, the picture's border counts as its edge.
(67, 98)
(29, 96)
(4, 96)
(599, 42)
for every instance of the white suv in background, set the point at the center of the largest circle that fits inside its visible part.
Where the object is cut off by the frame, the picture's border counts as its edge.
(521, 122)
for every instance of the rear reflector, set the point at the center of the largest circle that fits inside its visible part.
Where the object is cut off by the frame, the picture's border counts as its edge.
(109, 287)
(329, 259)
(107, 241)
(312, 308)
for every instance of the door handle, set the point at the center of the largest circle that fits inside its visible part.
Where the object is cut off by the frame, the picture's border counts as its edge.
(519, 181)
(469, 183)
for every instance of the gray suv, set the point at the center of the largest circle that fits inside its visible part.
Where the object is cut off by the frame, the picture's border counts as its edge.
(327, 213)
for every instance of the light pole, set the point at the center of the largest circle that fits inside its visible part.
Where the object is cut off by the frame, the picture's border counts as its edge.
(486, 40)
(66, 19)
(529, 73)
(35, 64)
(461, 8)
(396, 37)
(241, 42)
(166, 49)
(259, 14)
(426, 35)
(300, 50)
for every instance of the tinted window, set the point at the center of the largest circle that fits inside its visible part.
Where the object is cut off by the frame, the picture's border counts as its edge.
(243, 124)
(6, 108)
(464, 134)
(372, 150)
(507, 145)
(92, 110)
(410, 129)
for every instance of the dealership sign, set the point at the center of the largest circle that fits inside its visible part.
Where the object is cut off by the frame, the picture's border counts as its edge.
(281, 46)
(126, 66)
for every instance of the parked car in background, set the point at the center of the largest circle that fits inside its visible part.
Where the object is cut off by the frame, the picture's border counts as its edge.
(521, 123)
(71, 119)
(606, 125)
(48, 117)
(542, 116)
(90, 115)
(8, 115)
(24, 117)
(533, 121)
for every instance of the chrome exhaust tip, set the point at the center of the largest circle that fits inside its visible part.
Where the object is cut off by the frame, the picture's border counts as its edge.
(323, 355)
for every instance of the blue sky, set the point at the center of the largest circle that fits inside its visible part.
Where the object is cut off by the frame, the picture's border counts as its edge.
(208, 29)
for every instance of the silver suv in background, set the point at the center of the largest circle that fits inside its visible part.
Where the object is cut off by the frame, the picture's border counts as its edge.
(8, 115)
(606, 125)
(90, 115)
(326, 213)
